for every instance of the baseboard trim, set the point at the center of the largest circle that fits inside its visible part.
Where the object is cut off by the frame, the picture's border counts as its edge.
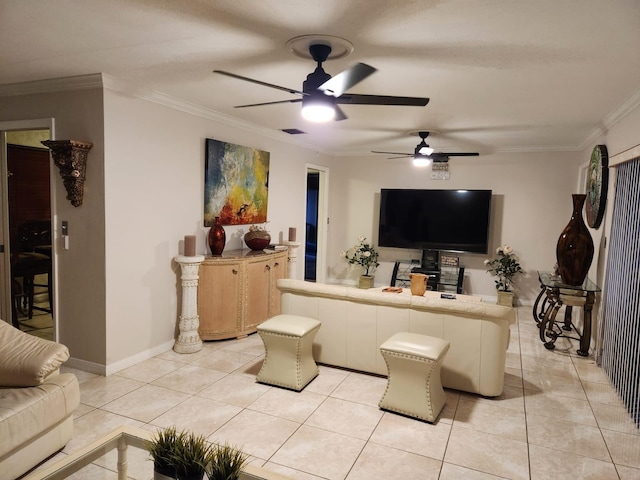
(110, 369)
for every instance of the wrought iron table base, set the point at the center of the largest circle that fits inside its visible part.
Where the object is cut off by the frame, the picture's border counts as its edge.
(551, 330)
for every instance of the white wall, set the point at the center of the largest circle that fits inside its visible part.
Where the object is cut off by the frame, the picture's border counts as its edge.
(154, 173)
(531, 205)
(80, 284)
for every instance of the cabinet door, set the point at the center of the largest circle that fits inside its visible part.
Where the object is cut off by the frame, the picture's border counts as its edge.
(219, 300)
(278, 270)
(257, 301)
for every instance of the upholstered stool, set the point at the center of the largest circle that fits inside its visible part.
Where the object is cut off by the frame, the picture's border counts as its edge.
(288, 360)
(413, 385)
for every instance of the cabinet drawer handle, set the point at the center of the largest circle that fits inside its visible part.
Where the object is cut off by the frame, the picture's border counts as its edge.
(276, 264)
(234, 271)
(267, 267)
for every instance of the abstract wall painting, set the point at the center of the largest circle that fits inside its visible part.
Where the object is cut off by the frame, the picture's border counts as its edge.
(236, 184)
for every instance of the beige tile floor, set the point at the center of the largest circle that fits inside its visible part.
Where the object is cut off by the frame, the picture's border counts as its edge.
(558, 417)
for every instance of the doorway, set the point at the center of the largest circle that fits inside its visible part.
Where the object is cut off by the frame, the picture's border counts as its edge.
(26, 227)
(316, 225)
(311, 230)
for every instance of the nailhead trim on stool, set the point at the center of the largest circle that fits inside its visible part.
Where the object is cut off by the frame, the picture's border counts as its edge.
(288, 360)
(413, 385)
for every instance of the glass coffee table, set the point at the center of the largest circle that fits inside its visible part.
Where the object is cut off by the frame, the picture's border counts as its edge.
(113, 451)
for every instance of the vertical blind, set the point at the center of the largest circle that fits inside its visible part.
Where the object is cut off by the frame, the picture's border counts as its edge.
(621, 298)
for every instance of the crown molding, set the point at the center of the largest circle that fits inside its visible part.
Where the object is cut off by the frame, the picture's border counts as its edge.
(100, 80)
(51, 85)
(626, 107)
(127, 88)
(631, 103)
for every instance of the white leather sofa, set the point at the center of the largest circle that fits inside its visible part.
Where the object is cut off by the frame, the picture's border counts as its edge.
(356, 322)
(36, 400)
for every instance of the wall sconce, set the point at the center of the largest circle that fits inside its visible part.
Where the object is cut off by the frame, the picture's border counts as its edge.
(70, 156)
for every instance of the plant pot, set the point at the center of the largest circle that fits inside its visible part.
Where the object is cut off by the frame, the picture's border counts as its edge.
(365, 281)
(160, 473)
(257, 240)
(505, 298)
(192, 476)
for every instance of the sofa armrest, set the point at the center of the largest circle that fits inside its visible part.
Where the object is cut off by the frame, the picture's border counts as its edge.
(25, 360)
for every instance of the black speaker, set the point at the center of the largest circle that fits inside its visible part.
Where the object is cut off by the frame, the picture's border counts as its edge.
(430, 260)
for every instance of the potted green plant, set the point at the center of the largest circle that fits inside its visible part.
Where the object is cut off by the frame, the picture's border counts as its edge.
(364, 254)
(161, 447)
(190, 456)
(505, 268)
(226, 462)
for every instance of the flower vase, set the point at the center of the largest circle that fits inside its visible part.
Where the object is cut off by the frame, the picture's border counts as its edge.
(217, 238)
(365, 281)
(574, 251)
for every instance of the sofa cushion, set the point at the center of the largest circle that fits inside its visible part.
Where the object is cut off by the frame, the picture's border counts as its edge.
(26, 360)
(27, 412)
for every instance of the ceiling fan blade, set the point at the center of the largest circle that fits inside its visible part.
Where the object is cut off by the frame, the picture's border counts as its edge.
(294, 100)
(346, 79)
(264, 84)
(455, 154)
(355, 99)
(394, 153)
(340, 115)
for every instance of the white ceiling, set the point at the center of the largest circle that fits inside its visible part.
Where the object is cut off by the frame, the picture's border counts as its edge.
(502, 75)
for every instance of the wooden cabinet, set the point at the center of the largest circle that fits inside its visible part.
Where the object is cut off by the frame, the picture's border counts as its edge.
(237, 291)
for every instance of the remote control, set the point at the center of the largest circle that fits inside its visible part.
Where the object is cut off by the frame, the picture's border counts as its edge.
(448, 296)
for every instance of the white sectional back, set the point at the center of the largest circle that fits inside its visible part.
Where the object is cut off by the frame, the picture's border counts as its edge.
(356, 322)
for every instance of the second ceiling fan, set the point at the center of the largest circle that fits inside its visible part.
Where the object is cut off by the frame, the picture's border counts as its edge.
(423, 153)
(321, 93)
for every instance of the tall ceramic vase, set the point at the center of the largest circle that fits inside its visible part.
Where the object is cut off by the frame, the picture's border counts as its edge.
(575, 246)
(217, 237)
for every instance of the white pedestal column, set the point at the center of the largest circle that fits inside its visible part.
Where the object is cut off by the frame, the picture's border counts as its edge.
(293, 257)
(188, 339)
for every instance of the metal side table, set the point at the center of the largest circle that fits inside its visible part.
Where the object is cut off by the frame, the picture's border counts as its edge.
(555, 294)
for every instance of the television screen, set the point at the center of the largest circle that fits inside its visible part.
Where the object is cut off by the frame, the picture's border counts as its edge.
(453, 220)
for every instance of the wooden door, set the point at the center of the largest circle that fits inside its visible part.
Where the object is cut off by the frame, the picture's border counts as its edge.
(219, 300)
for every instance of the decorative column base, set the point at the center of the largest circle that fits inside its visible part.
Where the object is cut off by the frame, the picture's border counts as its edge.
(189, 340)
(293, 257)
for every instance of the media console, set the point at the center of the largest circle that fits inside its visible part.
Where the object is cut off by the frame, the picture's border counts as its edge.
(444, 271)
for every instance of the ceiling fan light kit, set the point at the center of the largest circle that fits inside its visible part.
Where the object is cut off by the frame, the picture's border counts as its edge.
(318, 108)
(421, 161)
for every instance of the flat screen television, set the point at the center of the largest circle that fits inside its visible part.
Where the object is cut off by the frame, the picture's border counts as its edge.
(452, 220)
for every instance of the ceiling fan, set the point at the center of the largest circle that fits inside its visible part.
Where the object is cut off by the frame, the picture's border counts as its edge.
(321, 93)
(423, 154)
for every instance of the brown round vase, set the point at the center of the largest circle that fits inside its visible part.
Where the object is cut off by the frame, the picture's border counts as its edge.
(574, 251)
(217, 237)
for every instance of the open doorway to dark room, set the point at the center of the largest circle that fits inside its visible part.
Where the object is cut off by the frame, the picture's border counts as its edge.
(311, 234)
